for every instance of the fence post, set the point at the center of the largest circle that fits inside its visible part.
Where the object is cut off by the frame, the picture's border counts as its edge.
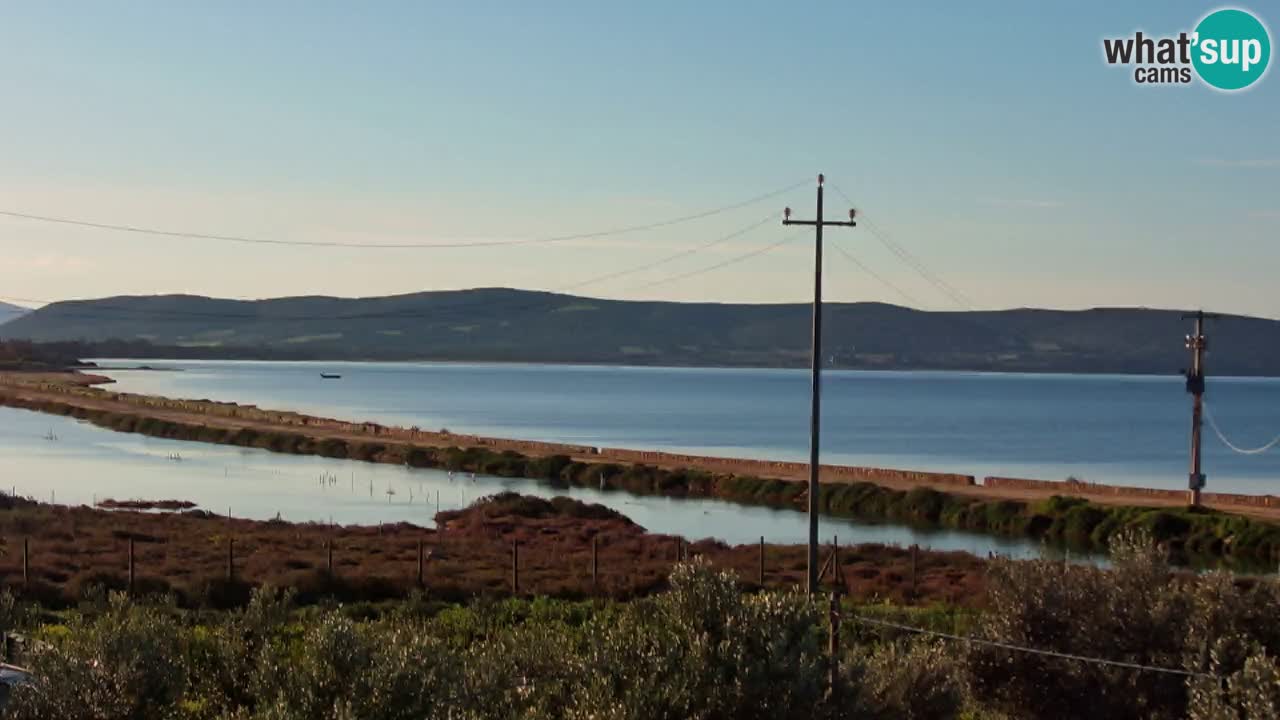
(515, 567)
(595, 563)
(26, 561)
(131, 565)
(231, 559)
(915, 551)
(833, 648)
(420, 573)
(761, 561)
(329, 558)
(837, 572)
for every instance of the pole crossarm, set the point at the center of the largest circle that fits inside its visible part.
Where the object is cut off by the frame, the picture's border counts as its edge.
(828, 223)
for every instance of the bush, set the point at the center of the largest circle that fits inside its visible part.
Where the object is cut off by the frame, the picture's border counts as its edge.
(126, 664)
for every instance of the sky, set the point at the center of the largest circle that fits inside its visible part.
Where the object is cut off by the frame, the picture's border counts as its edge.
(988, 139)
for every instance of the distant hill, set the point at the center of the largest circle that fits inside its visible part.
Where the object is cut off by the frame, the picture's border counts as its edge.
(9, 312)
(517, 325)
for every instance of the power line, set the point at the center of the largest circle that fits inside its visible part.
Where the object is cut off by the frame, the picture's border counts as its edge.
(883, 281)
(1033, 651)
(1243, 451)
(89, 313)
(911, 260)
(674, 256)
(916, 264)
(717, 266)
(136, 229)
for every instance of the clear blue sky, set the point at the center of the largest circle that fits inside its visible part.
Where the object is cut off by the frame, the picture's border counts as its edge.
(988, 138)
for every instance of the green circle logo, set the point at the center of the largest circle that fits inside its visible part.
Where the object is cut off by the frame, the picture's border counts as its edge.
(1232, 49)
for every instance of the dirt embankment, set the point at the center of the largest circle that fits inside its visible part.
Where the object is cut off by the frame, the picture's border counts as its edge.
(72, 549)
(56, 392)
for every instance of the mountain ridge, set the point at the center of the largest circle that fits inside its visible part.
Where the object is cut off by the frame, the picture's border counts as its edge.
(504, 324)
(9, 312)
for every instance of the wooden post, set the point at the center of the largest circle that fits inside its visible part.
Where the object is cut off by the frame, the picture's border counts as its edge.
(231, 559)
(833, 648)
(915, 551)
(26, 561)
(420, 583)
(761, 574)
(329, 558)
(130, 565)
(595, 563)
(515, 568)
(837, 572)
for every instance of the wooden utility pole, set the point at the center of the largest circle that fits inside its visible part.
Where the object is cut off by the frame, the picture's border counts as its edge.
(1197, 344)
(815, 402)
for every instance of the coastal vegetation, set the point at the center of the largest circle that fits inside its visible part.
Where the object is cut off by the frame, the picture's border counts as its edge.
(207, 560)
(23, 355)
(1052, 641)
(1197, 535)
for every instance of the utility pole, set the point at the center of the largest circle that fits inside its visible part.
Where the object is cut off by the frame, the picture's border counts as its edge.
(1197, 344)
(815, 415)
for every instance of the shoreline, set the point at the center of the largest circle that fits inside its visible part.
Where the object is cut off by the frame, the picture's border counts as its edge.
(656, 366)
(1079, 515)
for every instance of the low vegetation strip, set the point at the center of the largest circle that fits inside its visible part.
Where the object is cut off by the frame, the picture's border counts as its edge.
(113, 504)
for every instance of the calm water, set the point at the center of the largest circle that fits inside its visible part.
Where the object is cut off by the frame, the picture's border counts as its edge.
(52, 457)
(1115, 429)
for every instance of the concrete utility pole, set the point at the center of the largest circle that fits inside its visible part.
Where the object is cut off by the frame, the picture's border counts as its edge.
(1197, 344)
(815, 418)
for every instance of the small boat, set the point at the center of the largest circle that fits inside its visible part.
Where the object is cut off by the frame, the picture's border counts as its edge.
(330, 376)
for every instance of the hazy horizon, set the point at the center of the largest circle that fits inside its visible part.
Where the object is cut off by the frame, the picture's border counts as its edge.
(996, 147)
